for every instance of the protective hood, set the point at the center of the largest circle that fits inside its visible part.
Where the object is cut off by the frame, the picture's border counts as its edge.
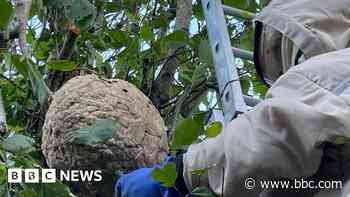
(287, 30)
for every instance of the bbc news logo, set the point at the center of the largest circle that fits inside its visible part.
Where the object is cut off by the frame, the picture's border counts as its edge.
(17, 175)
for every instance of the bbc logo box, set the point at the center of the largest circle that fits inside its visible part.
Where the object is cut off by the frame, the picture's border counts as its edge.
(16, 175)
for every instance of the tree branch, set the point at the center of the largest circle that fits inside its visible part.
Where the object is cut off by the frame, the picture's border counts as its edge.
(161, 86)
(55, 79)
(22, 14)
(3, 126)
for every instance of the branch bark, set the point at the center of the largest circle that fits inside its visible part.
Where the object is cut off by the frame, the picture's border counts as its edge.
(3, 126)
(22, 14)
(55, 79)
(161, 86)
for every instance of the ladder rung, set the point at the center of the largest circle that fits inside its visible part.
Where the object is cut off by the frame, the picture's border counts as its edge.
(238, 12)
(243, 54)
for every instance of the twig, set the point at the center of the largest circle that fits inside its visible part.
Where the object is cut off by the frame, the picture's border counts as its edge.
(68, 46)
(171, 101)
(178, 52)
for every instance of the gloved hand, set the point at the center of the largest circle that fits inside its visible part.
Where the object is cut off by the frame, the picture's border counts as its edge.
(140, 183)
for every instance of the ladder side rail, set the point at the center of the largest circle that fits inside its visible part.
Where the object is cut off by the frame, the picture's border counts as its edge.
(226, 72)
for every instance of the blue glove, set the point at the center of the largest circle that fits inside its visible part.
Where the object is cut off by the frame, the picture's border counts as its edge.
(140, 183)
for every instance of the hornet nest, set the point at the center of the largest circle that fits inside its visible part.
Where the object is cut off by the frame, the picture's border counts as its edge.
(140, 141)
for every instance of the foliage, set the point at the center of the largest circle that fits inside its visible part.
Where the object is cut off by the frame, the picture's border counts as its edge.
(130, 40)
(165, 175)
(18, 144)
(202, 192)
(6, 12)
(61, 65)
(101, 131)
(214, 129)
(186, 132)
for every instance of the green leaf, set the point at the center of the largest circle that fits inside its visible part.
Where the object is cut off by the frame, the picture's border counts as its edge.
(57, 3)
(20, 66)
(27, 192)
(146, 32)
(340, 140)
(128, 52)
(38, 84)
(82, 9)
(202, 192)
(214, 129)
(3, 174)
(160, 21)
(62, 65)
(201, 171)
(101, 131)
(264, 3)
(57, 189)
(6, 10)
(86, 22)
(246, 40)
(4, 191)
(166, 175)
(112, 7)
(245, 83)
(42, 50)
(198, 11)
(37, 6)
(186, 132)
(81, 12)
(205, 55)
(201, 118)
(176, 39)
(119, 38)
(186, 74)
(249, 5)
(199, 75)
(17, 143)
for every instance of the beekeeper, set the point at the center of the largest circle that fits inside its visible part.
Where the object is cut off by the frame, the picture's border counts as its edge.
(300, 132)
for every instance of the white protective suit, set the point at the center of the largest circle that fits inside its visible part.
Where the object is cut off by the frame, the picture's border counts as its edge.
(306, 111)
(284, 136)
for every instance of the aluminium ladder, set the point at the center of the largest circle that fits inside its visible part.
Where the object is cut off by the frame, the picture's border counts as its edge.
(232, 98)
